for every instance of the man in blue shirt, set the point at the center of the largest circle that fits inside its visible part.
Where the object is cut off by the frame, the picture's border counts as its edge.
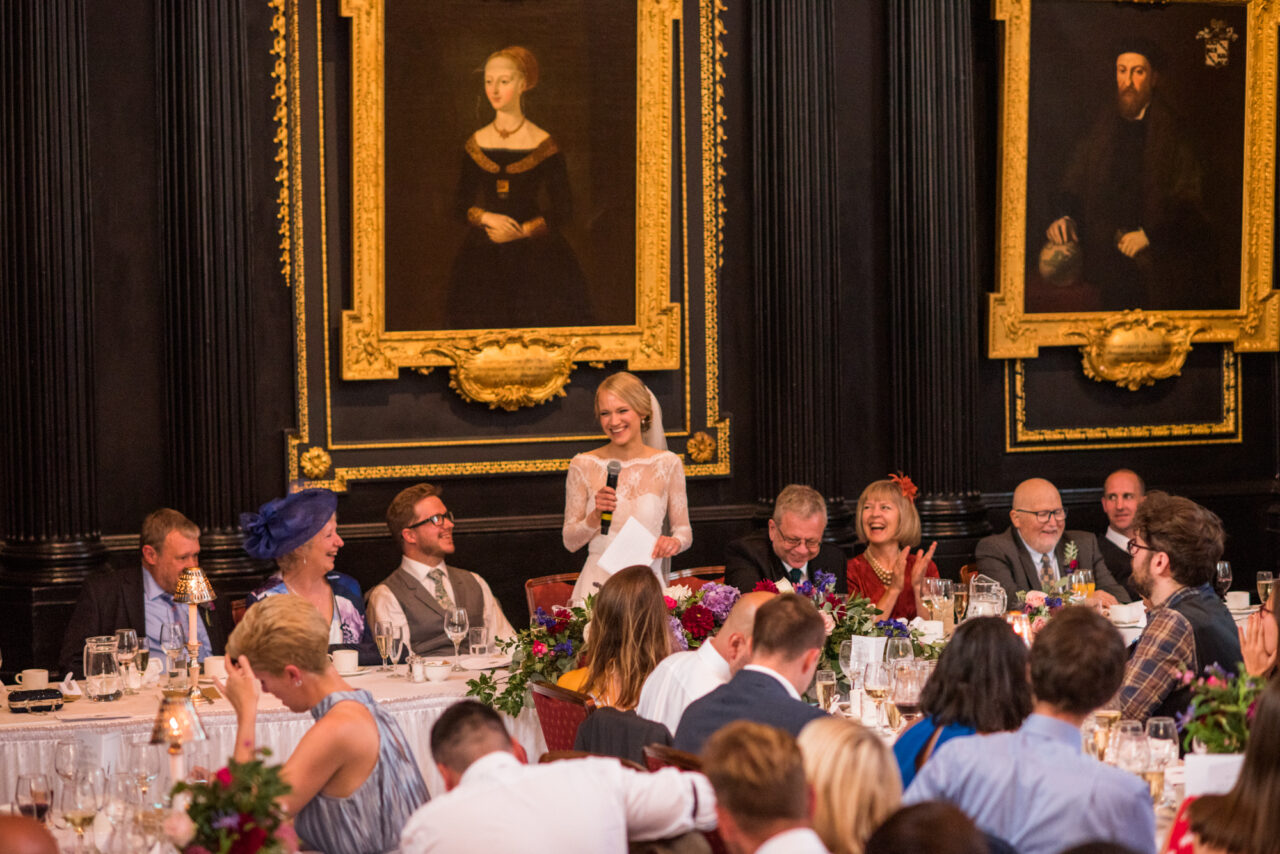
(1035, 788)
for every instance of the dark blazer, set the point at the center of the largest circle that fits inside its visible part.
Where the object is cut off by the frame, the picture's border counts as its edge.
(1120, 564)
(750, 559)
(748, 696)
(114, 600)
(1004, 558)
(612, 732)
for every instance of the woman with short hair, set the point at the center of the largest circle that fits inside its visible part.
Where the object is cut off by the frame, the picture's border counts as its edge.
(887, 572)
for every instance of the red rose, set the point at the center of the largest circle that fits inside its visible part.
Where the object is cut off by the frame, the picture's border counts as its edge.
(560, 626)
(250, 839)
(670, 603)
(1074, 565)
(766, 585)
(698, 621)
(224, 777)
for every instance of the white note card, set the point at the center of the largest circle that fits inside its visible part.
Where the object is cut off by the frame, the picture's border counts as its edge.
(633, 545)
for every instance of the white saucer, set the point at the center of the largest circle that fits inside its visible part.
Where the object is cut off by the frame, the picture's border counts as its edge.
(485, 662)
(359, 671)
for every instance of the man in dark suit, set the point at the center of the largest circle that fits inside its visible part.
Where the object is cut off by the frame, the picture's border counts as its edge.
(141, 598)
(787, 640)
(1122, 495)
(791, 548)
(1034, 551)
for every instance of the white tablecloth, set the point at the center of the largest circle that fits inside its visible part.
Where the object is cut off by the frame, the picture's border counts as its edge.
(27, 741)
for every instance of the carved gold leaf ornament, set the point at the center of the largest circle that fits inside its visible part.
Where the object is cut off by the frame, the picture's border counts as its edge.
(512, 370)
(701, 447)
(1135, 348)
(315, 462)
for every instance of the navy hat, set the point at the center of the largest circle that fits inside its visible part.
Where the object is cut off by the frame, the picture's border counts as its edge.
(283, 524)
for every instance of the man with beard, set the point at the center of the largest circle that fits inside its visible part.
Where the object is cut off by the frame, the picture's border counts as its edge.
(1131, 199)
(1175, 545)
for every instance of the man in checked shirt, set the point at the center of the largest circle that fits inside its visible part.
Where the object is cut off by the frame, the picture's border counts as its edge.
(1175, 545)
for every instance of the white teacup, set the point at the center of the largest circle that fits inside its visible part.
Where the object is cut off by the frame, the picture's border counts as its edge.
(33, 679)
(215, 667)
(437, 670)
(1238, 600)
(345, 660)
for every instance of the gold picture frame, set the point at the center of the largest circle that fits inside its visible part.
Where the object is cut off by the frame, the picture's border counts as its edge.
(512, 367)
(1138, 345)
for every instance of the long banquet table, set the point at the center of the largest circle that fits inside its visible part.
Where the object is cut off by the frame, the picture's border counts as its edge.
(27, 741)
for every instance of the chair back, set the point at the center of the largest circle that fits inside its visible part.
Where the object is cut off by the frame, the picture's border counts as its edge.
(560, 713)
(695, 577)
(967, 572)
(547, 591)
(661, 756)
(238, 607)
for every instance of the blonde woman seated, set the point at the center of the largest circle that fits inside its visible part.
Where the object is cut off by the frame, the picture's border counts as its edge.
(627, 636)
(354, 780)
(854, 778)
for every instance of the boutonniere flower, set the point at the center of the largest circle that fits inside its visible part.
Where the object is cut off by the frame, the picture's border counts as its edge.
(1071, 552)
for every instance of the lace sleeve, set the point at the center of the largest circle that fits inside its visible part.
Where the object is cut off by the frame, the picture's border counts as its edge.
(578, 502)
(678, 505)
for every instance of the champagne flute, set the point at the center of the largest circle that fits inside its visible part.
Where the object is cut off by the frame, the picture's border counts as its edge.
(824, 686)
(1087, 582)
(455, 627)
(398, 646)
(1264, 581)
(961, 603)
(383, 632)
(1222, 577)
(126, 651)
(875, 682)
(1162, 742)
(34, 795)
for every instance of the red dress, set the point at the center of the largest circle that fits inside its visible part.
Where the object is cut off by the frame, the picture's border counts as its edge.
(864, 581)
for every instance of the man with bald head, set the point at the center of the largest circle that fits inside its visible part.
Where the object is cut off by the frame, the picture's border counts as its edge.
(683, 677)
(1122, 495)
(1034, 551)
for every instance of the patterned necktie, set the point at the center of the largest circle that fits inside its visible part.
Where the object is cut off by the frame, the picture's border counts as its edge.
(794, 575)
(1046, 571)
(442, 595)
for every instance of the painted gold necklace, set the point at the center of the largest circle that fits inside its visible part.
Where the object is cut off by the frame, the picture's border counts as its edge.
(508, 133)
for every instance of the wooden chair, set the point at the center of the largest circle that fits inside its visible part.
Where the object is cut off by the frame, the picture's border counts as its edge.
(968, 571)
(660, 756)
(697, 576)
(560, 713)
(547, 591)
(238, 607)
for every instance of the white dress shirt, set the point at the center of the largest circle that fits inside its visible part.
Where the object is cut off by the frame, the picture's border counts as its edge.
(782, 680)
(382, 604)
(678, 680)
(1118, 538)
(799, 840)
(574, 806)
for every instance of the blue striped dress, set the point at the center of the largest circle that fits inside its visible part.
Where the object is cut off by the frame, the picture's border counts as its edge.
(369, 820)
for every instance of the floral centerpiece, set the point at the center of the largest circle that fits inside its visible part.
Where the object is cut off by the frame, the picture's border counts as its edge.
(1221, 710)
(237, 812)
(1039, 606)
(552, 645)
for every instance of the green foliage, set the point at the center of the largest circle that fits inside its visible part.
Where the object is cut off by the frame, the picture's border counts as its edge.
(1221, 710)
(242, 801)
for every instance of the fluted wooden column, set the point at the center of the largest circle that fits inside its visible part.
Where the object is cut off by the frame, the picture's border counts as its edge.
(49, 523)
(205, 203)
(796, 270)
(936, 290)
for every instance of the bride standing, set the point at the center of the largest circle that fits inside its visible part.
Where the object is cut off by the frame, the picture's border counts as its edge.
(650, 484)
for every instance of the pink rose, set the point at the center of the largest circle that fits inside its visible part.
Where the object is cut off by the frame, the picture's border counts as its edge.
(828, 622)
(539, 648)
(671, 603)
(1188, 678)
(1035, 598)
(179, 827)
(224, 777)
(1037, 624)
(1214, 682)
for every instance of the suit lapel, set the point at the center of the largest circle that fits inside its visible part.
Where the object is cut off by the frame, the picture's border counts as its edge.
(135, 607)
(1031, 576)
(424, 594)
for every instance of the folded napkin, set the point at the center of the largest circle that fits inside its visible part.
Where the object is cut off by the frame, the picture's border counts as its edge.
(68, 686)
(930, 630)
(1131, 613)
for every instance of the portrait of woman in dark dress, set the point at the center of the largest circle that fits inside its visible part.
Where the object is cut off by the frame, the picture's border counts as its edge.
(515, 268)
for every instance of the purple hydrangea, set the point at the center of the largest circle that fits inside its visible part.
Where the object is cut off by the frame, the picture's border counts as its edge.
(804, 588)
(679, 641)
(893, 628)
(719, 599)
(226, 821)
(824, 581)
(1053, 602)
(542, 618)
(564, 647)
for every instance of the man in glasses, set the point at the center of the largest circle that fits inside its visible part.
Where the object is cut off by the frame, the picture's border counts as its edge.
(1174, 547)
(1038, 551)
(791, 549)
(421, 592)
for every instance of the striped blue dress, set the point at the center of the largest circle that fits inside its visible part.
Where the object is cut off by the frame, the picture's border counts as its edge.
(369, 820)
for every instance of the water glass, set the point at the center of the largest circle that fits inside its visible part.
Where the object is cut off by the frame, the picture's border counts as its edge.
(478, 640)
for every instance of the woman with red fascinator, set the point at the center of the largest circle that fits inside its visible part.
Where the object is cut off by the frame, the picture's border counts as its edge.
(888, 573)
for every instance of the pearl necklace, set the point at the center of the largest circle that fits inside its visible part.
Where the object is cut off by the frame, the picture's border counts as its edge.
(883, 574)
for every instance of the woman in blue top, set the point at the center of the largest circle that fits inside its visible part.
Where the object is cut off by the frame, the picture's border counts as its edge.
(300, 533)
(979, 686)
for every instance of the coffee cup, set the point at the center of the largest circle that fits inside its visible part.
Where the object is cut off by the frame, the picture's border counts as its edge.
(1238, 600)
(33, 679)
(437, 670)
(215, 667)
(345, 660)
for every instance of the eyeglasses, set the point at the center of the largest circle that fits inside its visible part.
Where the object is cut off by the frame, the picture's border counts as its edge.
(437, 519)
(1134, 546)
(793, 542)
(1043, 516)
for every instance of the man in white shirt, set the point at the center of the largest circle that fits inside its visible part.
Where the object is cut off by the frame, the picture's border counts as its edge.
(495, 802)
(1122, 494)
(683, 677)
(764, 804)
(419, 594)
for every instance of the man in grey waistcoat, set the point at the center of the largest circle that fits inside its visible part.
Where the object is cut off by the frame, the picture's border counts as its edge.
(424, 588)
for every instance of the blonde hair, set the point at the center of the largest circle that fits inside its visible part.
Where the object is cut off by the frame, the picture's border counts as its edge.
(908, 533)
(855, 781)
(633, 393)
(629, 636)
(281, 630)
(524, 61)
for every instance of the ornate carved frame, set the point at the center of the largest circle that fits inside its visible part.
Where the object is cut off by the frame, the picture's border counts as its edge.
(1136, 348)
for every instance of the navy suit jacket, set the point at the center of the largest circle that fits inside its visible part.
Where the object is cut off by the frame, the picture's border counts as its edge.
(750, 559)
(748, 696)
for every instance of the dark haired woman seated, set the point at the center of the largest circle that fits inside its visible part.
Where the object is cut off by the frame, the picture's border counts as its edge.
(979, 686)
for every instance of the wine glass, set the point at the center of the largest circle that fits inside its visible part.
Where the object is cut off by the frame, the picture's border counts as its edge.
(852, 663)
(1264, 581)
(122, 804)
(898, 649)
(383, 632)
(1222, 577)
(1162, 742)
(875, 681)
(81, 800)
(66, 758)
(126, 651)
(142, 760)
(907, 685)
(33, 795)
(455, 627)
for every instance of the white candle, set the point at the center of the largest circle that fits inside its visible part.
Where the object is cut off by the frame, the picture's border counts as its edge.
(191, 623)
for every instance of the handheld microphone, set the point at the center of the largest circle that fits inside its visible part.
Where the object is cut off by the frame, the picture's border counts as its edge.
(606, 516)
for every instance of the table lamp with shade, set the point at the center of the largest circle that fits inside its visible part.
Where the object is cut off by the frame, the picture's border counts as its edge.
(193, 590)
(177, 723)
